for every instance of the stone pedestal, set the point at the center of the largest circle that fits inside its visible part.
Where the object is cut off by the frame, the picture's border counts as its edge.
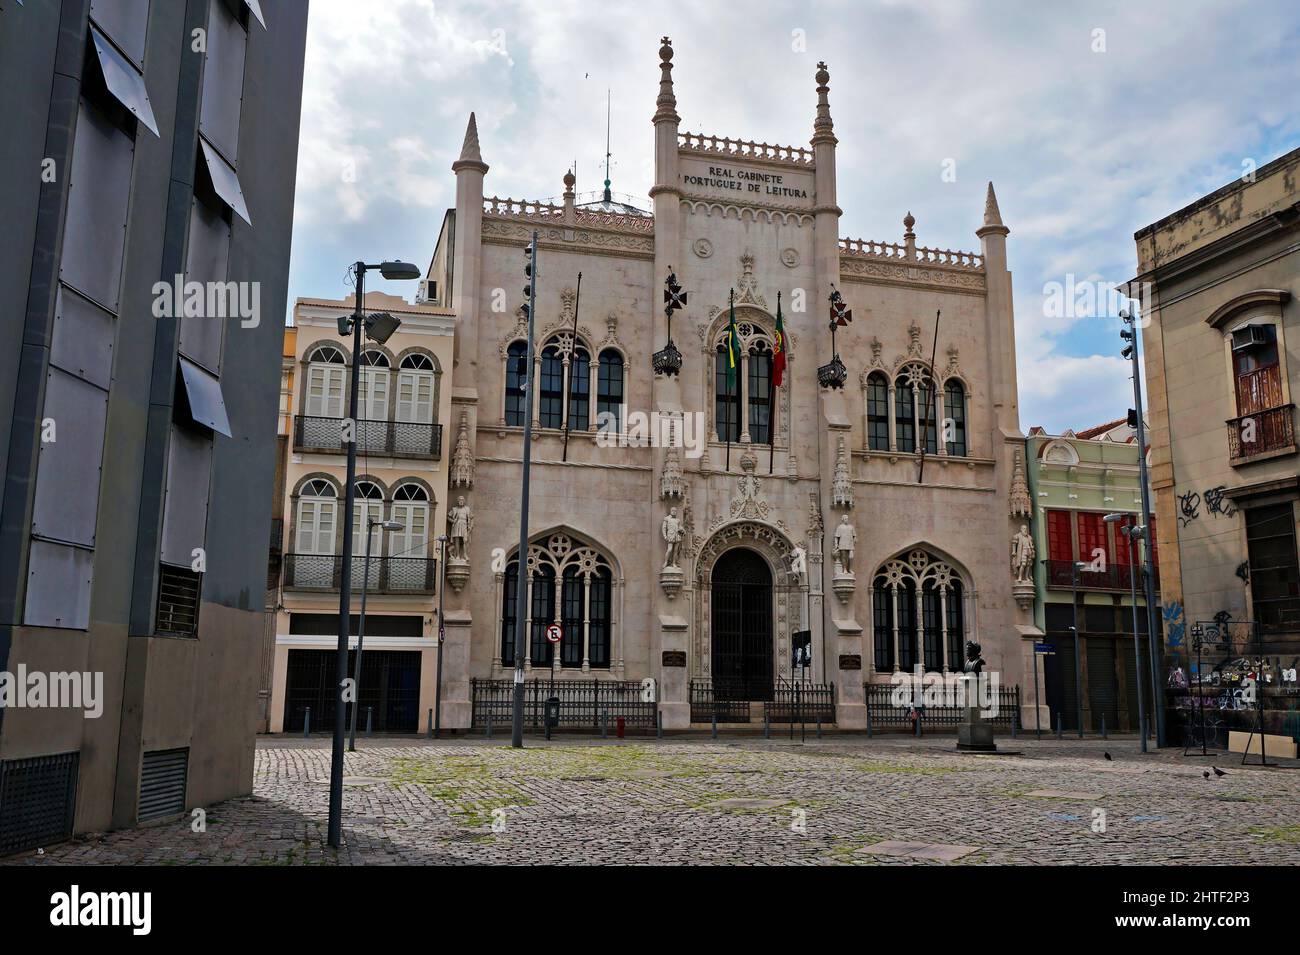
(456, 706)
(457, 573)
(1023, 591)
(670, 579)
(674, 685)
(846, 668)
(975, 734)
(843, 584)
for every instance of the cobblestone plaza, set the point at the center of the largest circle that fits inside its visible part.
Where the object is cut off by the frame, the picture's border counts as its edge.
(836, 801)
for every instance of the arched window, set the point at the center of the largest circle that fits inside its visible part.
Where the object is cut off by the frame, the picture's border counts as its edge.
(905, 415)
(609, 387)
(727, 398)
(415, 392)
(367, 508)
(373, 380)
(954, 411)
(408, 549)
(759, 395)
(326, 373)
(315, 520)
(551, 408)
(580, 604)
(579, 389)
(917, 614)
(516, 376)
(927, 411)
(877, 412)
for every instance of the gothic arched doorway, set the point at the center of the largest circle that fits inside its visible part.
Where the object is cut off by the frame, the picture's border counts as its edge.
(742, 626)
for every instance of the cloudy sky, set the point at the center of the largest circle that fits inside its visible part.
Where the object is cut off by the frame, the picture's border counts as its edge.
(1092, 120)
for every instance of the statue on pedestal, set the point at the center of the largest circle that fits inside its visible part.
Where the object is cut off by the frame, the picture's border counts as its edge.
(671, 530)
(460, 522)
(845, 539)
(1022, 556)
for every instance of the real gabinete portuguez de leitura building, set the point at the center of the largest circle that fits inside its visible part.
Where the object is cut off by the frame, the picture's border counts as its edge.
(784, 509)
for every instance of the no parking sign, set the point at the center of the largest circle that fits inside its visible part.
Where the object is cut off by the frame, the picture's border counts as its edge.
(554, 633)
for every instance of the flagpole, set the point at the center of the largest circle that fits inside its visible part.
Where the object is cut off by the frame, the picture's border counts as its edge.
(933, 393)
(573, 350)
(771, 429)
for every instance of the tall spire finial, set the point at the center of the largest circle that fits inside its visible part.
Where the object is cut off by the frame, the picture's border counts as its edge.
(992, 215)
(609, 197)
(667, 102)
(469, 153)
(823, 128)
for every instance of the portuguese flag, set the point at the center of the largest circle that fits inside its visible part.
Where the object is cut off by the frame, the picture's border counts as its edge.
(778, 347)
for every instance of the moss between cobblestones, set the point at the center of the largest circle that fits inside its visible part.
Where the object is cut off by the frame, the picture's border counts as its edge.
(1285, 834)
(467, 784)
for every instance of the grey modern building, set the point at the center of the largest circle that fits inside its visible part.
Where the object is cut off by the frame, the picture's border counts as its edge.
(148, 172)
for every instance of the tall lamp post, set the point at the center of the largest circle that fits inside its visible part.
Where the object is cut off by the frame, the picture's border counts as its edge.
(361, 627)
(442, 635)
(378, 327)
(1075, 567)
(521, 592)
(1126, 532)
(1130, 351)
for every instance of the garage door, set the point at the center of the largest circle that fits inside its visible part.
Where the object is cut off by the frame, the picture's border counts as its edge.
(390, 687)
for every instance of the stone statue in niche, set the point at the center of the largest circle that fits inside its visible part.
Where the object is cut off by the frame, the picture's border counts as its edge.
(845, 540)
(460, 523)
(672, 532)
(1022, 555)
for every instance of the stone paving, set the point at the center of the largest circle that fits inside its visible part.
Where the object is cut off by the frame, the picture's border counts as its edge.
(841, 800)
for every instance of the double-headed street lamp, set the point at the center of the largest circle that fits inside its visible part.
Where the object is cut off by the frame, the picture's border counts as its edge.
(1129, 531)
(1075, 567)
(379, 327)
(442, 635)
(361, 626)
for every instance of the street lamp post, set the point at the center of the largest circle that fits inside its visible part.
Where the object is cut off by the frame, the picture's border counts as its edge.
(521, 592)
(361, 627)
(1075, 567)
(1130, 351)
(442, 635)
(1126, 532)
(378, 328)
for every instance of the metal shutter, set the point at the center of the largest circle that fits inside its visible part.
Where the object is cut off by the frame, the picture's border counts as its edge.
(38, 797)
(162, 783)
(1102, 688)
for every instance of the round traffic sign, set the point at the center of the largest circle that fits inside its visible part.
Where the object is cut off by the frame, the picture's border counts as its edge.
(553, 633)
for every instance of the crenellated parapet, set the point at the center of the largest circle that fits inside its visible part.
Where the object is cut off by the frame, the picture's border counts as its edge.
(549, 213)
(895, 252)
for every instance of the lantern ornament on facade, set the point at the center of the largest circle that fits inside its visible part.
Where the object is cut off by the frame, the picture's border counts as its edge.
(834, 374)
(668, 360)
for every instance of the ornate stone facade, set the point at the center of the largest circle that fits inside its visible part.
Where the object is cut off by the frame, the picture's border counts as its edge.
(754, 465)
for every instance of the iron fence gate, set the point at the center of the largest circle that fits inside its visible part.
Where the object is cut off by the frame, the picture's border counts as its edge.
(883, 712)
(795, 702)
(718, 698)
(583, 703)
(390, 687)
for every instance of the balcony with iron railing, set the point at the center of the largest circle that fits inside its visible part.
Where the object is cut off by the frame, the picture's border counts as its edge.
(406, 439)
(388, 575)
(1119, 577)
(1267, 433)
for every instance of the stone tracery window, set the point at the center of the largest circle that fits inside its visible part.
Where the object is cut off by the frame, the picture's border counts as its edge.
(570, 584)
(902, 412)
(918, 614)
(746, 408)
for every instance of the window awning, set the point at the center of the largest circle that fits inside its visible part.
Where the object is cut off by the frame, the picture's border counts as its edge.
(224, 181)
(255, 9)
(123, 80)
(202, 391)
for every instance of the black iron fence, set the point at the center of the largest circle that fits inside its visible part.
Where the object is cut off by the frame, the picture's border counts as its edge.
(884, 709)
(583, 703)
(388, 575)
(409, 439)
(795, 702)
(722, 699)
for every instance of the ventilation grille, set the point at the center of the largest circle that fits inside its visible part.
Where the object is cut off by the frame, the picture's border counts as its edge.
(162, 783)
(178, 601)
(38, 797)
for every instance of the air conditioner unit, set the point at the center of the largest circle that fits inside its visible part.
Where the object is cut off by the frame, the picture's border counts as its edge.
(427, 292)
(1249, 337)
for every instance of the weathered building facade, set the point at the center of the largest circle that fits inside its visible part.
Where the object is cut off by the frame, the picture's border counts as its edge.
(791, 507)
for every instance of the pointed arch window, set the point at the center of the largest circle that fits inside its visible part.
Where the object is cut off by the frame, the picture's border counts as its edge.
(918, 614)
(954, 411)
(571, 585)
(759, 393)
(726, 399)
(551, 394)
(609, 388)
(516, 377)
(905, 416)
(579, 389)
(877, 412)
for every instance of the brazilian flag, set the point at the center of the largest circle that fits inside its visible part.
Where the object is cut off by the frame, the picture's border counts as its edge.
(733, 346)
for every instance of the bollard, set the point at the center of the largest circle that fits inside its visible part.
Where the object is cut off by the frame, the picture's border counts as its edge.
(715, 724)
(619, 725)
(659, 724)
(604, 724)
(1060, 726)
(306, 721)
(488, 729)
(369, 714)
(819, 726)
(767, 724)
(430, 733)
(868, 719)
(1103, 726)
(1015, 723)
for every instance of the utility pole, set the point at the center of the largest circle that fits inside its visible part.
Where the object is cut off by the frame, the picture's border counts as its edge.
(1129, 334)
(442, 636)
(1125, 531)
(1075, 567)
(521, 605)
